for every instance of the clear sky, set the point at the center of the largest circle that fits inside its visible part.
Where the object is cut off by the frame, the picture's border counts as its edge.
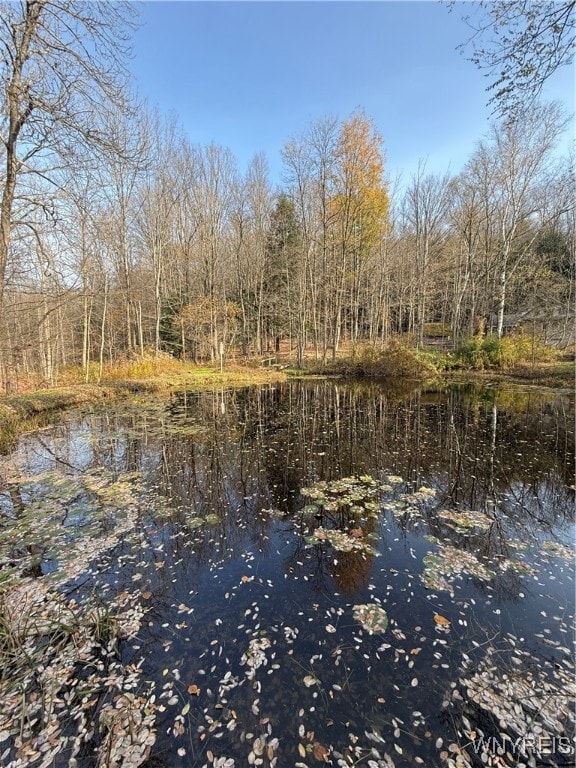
(250, 75)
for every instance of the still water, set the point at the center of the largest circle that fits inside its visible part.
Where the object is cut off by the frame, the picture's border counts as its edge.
(313, 572)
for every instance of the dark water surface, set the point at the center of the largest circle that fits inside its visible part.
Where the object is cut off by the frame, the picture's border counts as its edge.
(249, 529)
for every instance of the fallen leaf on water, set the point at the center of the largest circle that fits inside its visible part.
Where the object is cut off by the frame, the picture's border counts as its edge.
(320, 752)
(441, 621)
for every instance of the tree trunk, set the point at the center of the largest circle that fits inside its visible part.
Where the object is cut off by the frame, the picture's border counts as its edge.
(20, 107)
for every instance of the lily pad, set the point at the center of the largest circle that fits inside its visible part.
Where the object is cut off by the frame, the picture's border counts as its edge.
(372, 617)
(466, 521)
(450, 562)
(341, 541)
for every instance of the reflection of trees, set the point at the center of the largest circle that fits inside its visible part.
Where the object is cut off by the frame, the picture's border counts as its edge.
(351, 571)
(236, 454)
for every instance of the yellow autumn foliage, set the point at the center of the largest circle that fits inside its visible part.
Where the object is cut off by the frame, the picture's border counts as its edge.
(360, 202)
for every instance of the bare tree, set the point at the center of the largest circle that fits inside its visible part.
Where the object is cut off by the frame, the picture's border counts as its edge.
(214, 192)
(522, 153)
(521, 44)
(59, 62)
(426, 206)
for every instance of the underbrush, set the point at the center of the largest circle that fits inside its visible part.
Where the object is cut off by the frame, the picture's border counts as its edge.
(483, 352)
(143, 366)
(393, 360)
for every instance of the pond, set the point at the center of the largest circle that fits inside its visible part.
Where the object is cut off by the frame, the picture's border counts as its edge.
(303, 573)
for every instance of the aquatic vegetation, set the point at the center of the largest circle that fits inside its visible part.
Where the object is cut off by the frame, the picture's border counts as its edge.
(341, 541)
(519, 567)
(557, 549)
(466, 521)
(372, 617)
(356, 496)
(65, 519)
(422, 494)
(353, 494)
(62, 657)
(449, 563)
(530, 706)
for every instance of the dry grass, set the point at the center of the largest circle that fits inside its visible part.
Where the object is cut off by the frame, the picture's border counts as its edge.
(393, 360)
(32, 409)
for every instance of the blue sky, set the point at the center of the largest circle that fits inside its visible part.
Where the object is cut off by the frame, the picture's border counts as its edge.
(250, 75)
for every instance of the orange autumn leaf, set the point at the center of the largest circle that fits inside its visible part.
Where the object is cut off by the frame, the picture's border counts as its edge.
(320, 752)
(441, 621)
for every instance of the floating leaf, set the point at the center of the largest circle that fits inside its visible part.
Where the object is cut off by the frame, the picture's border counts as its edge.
(372, 617)
(320, 752)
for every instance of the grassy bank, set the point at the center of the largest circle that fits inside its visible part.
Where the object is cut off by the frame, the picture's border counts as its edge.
(516, 359)
(558, 375)
(32, 410)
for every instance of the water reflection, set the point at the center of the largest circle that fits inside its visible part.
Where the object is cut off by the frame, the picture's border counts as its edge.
(230, 546)
(244, 451)
(269, 442)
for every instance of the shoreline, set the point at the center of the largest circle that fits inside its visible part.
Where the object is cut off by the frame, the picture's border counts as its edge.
(32, 410)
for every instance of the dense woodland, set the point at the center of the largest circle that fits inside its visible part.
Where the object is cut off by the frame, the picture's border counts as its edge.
(121, 238)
